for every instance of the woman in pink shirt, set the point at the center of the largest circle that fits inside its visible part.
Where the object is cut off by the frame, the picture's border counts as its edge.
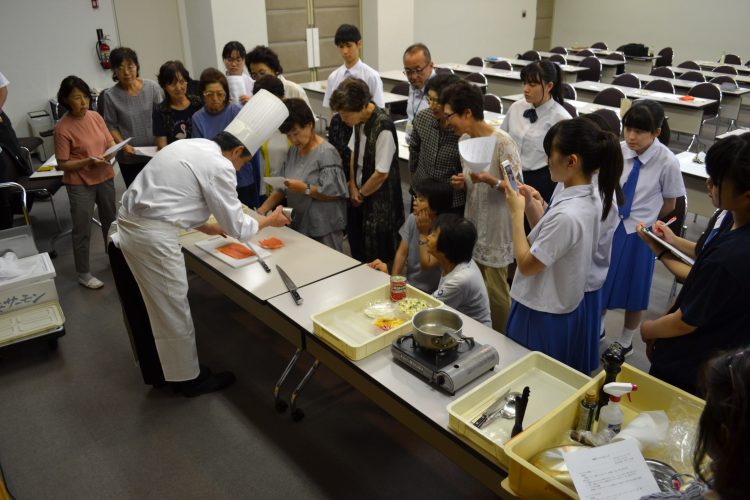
(81, 139)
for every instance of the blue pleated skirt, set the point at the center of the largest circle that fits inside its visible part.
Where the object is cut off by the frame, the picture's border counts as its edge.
(631, 269)
(564, 337)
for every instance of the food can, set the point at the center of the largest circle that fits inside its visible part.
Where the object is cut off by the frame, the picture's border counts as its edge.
(398, 288)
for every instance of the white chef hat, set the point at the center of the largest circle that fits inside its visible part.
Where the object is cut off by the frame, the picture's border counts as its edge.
(262, 114)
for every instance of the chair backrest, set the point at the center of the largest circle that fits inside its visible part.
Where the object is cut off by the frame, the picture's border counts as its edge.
(707, 91)
(443, 71)
(660, 86)
(615, 56)
(614, 124)
(502, 65)
(493, 103)
(689, 65)
(570, 109)
(559, 50)
(594, 72)
(559, 59)
(569, 92)
(724, 82)
(609, 97)
(479, 79)
(401, 88)
(599, 45)
(725, 69)
(680, 212)
(530, 55)
(627, 80)
(584, 53)
(398, 109)
(693, 76)
(663, 72)
(732, 59)
(665, 57)
(475, 61)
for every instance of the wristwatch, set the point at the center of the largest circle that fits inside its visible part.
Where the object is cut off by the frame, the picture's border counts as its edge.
(308, 190)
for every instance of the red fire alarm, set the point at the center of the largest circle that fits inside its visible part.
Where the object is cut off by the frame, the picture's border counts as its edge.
(95, 4)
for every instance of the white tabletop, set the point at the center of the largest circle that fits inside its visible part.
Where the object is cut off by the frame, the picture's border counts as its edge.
(738, 131)
(688, 84)
(567, 68)
(712, 74)
(380, 366)
(575, 58)
(633, 93)
(394, 74)
(320, 87)
(500, 73)
(713, 64)
(581, 106)
(304, 260)
(689, 167)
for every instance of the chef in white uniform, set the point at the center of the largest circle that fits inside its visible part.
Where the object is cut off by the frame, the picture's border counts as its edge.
(180, 188)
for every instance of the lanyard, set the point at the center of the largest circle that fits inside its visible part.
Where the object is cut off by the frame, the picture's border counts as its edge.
(414, 115)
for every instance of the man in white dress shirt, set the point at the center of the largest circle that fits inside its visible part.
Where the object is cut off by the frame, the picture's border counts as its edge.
(180, 188)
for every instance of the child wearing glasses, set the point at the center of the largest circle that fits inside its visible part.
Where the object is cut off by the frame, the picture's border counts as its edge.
(711, 312)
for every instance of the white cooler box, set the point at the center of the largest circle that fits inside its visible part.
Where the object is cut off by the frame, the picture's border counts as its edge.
(31, 289)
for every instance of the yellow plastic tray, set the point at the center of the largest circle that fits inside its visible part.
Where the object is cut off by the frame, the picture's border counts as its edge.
(551, 383)
(348, 329)
(30, 322)
(527, 481)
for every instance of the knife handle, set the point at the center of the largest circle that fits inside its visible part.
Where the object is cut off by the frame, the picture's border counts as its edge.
(264, 266)
(296, 296)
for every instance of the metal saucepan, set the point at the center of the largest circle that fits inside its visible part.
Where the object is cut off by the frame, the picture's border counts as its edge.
(437, 329)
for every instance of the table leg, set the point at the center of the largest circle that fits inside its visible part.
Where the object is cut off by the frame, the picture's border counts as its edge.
(298, 414)
(280, 404)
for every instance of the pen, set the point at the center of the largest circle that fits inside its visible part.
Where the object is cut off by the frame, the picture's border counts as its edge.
(646, 226)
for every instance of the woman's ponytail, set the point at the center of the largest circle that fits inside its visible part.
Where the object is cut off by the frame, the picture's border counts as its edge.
(610, 170)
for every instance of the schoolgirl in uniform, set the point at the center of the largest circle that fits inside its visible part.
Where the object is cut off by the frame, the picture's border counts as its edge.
(548, 313)
(529, 119)
(651, 181)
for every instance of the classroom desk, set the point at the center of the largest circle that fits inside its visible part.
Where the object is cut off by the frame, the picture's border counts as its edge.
(499, 81)
(710, 65)
(737, 131)
(568, 69)
(694, 175)
(742, 80)
(639, 64)
(684, 116)
(731, 100)
(416, 404)
(251, 287)
(316, 91)
(581, 106)
(609, 66)
(391, 78)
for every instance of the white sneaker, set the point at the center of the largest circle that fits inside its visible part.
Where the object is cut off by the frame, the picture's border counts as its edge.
(90, 282)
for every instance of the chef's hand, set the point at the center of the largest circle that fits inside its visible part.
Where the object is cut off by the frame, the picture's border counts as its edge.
(275, 219)
(129, 150)
(458, 182)
(213, 229)
(379, 265)
(244, 99)
(295, 185)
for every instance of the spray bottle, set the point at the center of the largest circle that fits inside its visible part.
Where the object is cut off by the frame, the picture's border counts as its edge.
(612, 360)
(611, 416)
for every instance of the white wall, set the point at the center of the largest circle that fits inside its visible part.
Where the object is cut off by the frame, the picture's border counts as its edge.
(457, 31)
(200, 36)
(695, 29)
(42, 42)
(241, 20)
(385, 35)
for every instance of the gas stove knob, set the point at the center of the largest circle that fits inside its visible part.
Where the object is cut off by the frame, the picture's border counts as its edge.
(440, 380)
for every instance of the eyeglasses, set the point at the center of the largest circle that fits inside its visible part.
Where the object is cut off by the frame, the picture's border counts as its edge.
(212, 95)
(234, 60)
(414, 71)
(448, 116)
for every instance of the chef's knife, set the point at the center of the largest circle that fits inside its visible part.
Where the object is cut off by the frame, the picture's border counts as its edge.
(521, 404)
(493, 408)
(290, 285)
(260, 259)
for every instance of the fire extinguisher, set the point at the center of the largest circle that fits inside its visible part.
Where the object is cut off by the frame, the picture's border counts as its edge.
(102, 49)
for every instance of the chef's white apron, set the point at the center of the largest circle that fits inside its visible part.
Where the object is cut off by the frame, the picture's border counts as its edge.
(152, 251)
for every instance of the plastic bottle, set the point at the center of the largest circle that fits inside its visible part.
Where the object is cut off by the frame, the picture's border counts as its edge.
(612, 360)
(587, 412)
(611, 416)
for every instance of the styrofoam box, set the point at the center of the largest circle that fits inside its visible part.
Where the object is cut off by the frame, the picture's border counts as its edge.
(347, 328)
(21, 297)
(527, 481)
(550, 382)
(44, 270)
(30, 322)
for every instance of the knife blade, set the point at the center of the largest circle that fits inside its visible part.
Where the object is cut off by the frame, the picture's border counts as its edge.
(521, 403)
(493, 408)
(290, 285)
(260, 259)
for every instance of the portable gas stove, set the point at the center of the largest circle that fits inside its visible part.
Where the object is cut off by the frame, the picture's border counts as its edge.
(450, 369)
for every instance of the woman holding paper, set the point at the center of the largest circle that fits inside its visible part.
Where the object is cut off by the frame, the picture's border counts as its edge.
(315, 185)
(127, 108)
(81, 138)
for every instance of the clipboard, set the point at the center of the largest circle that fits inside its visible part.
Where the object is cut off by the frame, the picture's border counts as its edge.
(677, 253)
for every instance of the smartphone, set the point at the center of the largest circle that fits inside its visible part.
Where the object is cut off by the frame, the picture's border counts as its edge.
(511, 176)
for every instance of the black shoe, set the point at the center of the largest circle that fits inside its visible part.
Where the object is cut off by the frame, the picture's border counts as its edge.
(626, 351)
(204, 383)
